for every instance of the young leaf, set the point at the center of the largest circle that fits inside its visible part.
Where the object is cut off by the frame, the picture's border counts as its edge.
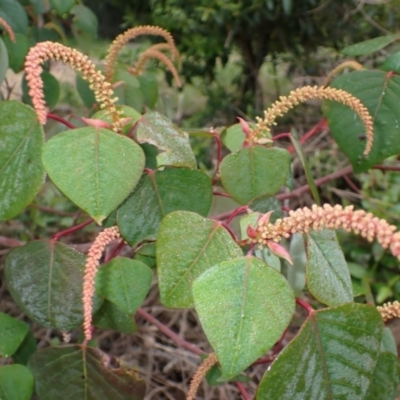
(173, 143)
(12, 334)
(244, 306)
(16, 382)
(94, 167)
(233, 137)
(21, 170)
(333, 357)
(159, 193)
(188, 245)
(254, 171)
(124, 282)
(369, 46)
(328, 277)
(85, 375)
(45, 280)
(381, 95)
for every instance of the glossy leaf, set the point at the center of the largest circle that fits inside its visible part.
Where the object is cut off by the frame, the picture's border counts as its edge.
(51, 90)
(94, 167)
(244, 306)
(332, 357)
(263, 204)
(109, 316)
(369, 46)
(172, 142)
(254, 171)
(147, 254)
(385, 379)
(388, 343)
(381, 95)
(21, 170)
(13, 12)
(62, 6)
(188, 245)
(16, 382)
(26, 349)
(124, 282)
(328, 277)
(3, 60)
(45, 280)
(296, 273)
(12, 334)
(17, 51)
(85, 375)
(159, 193)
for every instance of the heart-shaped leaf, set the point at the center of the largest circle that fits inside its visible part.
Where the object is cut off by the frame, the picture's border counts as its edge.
(94, 167)
(254, 171)
(173, 143)
(188, 245)
(333, 357)
(85, 375)
(124, 282)
(328, 277)
(45, 279)
(380, 93)
(159, 193)
(16, 382)
(244, 306)
(21, 169)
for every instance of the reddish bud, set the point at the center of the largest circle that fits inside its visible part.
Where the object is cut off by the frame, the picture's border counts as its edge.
(97, 123)
(279, 251)
(245, 126)
(251, 232)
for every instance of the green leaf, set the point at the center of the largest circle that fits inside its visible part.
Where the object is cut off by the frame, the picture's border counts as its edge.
(332, 357)
(287, 6)
(125, 112)
(17, 51)
(147, 254)
(51, 89)
(392, 63)
(13, 12)
(244, 306)
(128, 92)
(254, 171)
(3, 60)
(40, 6)
(386, 378)
(388, 343)
(85, 93)
(250, 219)
(62, 6)
(173, 143)
(296, 273)
(45, 280)
(369, 46)
(94, 167)
(188, 245)
(16, 382)
(12, 334)
(233, 137)
(159, 193)
(381, 95)
(149, 87)
(85, 375)
(21, 169)
(328, 277)
(84, 20)
(263, 204)
(26, 349)
(110, 316)
(124, 282)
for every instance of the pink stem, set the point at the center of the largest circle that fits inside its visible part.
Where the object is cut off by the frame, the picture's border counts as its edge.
(321, 125)
(116, 251)
(242, 391)
(228, 228)
(386, 167)
(60, 119)
(234, 213)
(351, 183)
(168, 332)
(281, 136)
(305, 305)
(71, 230)
(216, 193)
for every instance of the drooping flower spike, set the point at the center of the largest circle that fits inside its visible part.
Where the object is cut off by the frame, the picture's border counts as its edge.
(44, 51)
(285, 103)
(132, 33)
(354, 65)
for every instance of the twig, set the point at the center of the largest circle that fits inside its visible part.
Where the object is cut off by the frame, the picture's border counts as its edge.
(242, 391)
(73, 229)
(60, 119)
(305, 305)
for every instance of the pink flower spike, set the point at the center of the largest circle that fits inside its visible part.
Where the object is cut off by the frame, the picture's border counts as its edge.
(97, 123)
(245, 126)
(279, 251)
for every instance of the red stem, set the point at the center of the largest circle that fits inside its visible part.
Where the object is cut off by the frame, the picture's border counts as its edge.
(321, 125)
(168, 332)
(216, 193)
(386, 167)
(234, 213)
(281, 136)
(53, 211)
(73, 229)
(351, 183)
(242, 391)
(217, 138)
(60, 119)
(116, 251)
(305, 305)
